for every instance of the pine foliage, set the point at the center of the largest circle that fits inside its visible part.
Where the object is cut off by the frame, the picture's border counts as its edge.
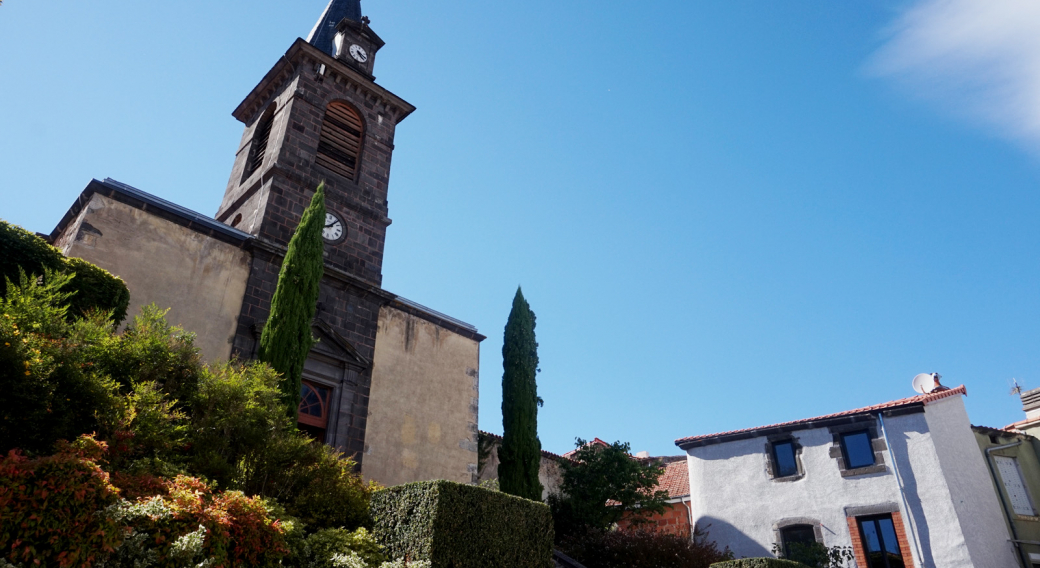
(286, 338)
(521, 451)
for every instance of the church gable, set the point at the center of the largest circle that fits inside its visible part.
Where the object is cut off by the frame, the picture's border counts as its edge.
(335, 346)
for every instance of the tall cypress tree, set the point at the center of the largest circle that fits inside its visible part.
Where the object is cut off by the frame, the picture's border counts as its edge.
(286, 338)
(521, 451)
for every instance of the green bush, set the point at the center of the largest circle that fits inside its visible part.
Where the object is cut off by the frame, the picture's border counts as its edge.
(242, 438)
(94, 287)
(462, 526)
(147, 394)
(51, 391)
(758, 563)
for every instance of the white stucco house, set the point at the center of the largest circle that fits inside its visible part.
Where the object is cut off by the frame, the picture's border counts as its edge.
(903, 483)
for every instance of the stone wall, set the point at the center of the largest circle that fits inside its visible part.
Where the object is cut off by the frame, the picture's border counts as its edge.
(423, 404)
(199, 278)
(550, 475)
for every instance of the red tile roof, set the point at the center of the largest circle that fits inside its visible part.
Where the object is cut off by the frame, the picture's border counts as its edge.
(675, 479)
(912, 401)
(547, 454)
(1020, 423)
(594, 442)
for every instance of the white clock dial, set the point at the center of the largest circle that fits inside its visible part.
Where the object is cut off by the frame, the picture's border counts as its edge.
(358, 53)
(333, 230)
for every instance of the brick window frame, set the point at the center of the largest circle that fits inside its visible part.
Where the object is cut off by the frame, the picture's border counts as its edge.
(771, 466)
(852, 519)
(877, 444)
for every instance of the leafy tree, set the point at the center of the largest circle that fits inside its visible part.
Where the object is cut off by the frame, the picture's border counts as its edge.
(603, 484)
(286, 338)
(521, 452)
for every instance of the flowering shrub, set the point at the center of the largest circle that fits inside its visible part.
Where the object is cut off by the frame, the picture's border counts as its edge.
(191, 521)
(49, 507)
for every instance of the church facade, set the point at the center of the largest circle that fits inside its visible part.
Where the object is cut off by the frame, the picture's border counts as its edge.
(391, 382)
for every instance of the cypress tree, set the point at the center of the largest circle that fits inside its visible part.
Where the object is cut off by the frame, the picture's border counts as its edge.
(521, 452)
(286, 338)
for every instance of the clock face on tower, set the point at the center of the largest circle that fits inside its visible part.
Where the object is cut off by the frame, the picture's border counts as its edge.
(333, 230)
(358, 53)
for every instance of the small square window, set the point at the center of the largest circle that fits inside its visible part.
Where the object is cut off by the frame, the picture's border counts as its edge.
(856, 449)
(784, 463)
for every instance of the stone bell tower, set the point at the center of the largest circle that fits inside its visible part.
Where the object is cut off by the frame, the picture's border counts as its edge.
(318, 115)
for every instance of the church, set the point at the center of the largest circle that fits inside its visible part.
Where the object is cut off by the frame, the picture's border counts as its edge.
(391, 382)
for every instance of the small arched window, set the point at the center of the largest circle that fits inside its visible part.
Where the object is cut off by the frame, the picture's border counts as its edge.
(339, 147)
(261, 137)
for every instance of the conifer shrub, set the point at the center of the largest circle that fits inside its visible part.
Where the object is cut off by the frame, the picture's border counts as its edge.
(94, 288)
(286, 338)
(462, 526)
(520, 454)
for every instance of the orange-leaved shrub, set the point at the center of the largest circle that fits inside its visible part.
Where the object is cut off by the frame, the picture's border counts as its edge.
(51, 508)
(189, 522)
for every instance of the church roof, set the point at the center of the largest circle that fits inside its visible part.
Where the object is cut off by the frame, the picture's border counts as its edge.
(325, 30)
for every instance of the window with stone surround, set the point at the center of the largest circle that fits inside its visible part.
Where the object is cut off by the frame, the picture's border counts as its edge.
(795, 535)
(858, 449)
(339, 146)
(784, 456)
(802, 531)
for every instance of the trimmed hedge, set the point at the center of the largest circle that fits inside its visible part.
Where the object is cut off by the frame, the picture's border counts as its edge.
(759, 563)
(94, 287)
(462, 526)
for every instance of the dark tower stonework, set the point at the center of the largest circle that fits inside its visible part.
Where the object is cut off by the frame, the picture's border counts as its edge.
(319, 115)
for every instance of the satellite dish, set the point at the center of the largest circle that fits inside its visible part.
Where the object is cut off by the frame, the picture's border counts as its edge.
(925, 383)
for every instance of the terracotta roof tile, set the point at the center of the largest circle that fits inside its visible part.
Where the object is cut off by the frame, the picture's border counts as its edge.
(675, 479)
(914, 400)
(594, 442)
(1020, 423)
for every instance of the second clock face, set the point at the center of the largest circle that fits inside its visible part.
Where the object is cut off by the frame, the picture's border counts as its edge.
(358, 53)
(333, 230)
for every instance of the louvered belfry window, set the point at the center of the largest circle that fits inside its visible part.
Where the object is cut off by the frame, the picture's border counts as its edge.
(260, 140)
(340, 142)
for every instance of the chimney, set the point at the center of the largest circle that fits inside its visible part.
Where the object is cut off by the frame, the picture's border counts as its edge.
(642, 454)
(1031, 403)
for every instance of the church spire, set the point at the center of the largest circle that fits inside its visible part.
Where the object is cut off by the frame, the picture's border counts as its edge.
(325, 30)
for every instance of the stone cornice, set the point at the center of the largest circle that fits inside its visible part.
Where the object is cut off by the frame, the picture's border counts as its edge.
(303, 57)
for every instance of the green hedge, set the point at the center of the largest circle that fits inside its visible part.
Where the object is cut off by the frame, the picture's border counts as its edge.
(94, 287)
(462, 526)
(758, 563)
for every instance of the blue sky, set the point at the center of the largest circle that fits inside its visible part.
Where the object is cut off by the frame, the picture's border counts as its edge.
(725, 214)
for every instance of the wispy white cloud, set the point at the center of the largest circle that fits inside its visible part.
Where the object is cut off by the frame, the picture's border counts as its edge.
(978, 59)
